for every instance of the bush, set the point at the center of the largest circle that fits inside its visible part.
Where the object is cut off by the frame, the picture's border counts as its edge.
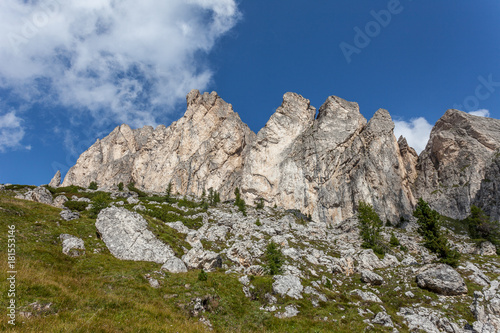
(99, 202)
(202, 276)
(258, 223)
(168, 192)
(131, 187)
(93, 186)
(120, 187)
(240, 203)
(429, 222)
(481, 228)
(260, 204)
(76, 205)
(370, 225)
(274, 259)
(394, 241)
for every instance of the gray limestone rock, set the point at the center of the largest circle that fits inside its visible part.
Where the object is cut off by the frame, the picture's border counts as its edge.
(441, 279)
(39, 194)
(72, 246)
(198, 258)
(59, 201)
(127, 236)
(69, 215)
(288, 285)
(367, 296)
(371, 278)
(174, 265)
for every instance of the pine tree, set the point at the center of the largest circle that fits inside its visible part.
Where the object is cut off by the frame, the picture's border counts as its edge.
(429, 222)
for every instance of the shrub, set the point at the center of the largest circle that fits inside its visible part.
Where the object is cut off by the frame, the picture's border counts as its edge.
(481, 228)
(274, 259)
(260, 204)
(131, 187)
(240, 203)
(120, 187)
(394, 241)
(99, 202)
(258, 223)
(202, 276)
(168, 192)
(93, 186)
(370, 225)
(76, 205)
(429, 222)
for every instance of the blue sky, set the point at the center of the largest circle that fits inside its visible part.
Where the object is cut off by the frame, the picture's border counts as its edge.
(71, 72)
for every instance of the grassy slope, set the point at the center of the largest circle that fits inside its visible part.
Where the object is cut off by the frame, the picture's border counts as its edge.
(99, 293)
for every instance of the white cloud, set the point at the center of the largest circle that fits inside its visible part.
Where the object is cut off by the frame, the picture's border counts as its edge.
(11, 131)
(128, 61)
(480, 113)
(417, 132)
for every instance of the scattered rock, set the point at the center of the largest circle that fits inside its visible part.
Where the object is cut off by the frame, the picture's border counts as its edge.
(366, 296)
(127, 236)
(427, 320)
(382, 318)
(72, 246)
(371, 278)
(486, 309)
(288, 285)
(69, 215)
(290, 311)
(174, 265)
(486, 249)
(197, 258)
(59, 201)
(441, 279)
(39, 194)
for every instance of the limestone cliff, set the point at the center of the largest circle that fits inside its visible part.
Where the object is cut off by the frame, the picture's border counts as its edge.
(203, 149)
(461, 165)
(322, 165)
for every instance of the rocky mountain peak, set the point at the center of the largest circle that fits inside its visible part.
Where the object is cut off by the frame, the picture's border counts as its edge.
(381, 122)
(459, 166)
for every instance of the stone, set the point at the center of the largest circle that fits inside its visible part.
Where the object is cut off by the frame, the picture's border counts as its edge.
(367, 296)
(290, 311)
(441, 279)
(486, 249)
(69, 215)
(56, 180)
(198, 258)
(255, 270)
(382, 318)
(371, 278)
(39, 194)
(288, 285)
(154, 283)
(59, 201)
(174, 265)
(486, 309)
(127, 236)
(420, 319)
(72, 246)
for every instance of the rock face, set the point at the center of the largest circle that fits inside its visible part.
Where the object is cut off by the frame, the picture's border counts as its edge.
(441, 279)
(325, 166)
(461, 165)
(56, 180)
(486, 309)
(320, 165)
(202, 150)
(127, 237)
